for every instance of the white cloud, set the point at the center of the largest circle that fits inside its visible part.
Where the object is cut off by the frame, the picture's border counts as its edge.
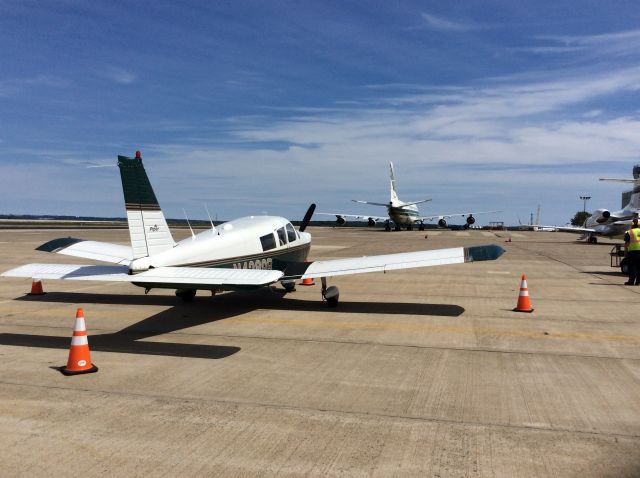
(443, 24)
(120, 75)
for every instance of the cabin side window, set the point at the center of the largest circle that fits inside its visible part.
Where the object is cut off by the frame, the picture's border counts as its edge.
(291, 233)
(282, 235)
(268, 242)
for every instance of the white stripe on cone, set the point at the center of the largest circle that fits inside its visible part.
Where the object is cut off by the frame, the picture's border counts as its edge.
(77, 340)
(80, 326)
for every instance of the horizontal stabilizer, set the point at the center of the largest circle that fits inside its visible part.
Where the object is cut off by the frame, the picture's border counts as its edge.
(372, 203)
(413, 203)
(615, 180)
(99, 251)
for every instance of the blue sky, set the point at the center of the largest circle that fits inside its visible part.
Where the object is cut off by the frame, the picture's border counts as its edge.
(254, 107)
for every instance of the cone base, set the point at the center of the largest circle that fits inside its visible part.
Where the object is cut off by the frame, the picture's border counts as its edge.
(310, 283)
(66, 371)
(523, 310)
(36, 293)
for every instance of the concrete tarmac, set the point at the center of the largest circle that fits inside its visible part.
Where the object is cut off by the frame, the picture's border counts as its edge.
(424, 372)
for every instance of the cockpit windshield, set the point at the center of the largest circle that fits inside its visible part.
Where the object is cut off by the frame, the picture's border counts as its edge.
(291, 232)
(282, 236)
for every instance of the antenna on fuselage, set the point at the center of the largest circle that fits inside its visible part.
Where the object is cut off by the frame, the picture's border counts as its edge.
(213, 228)
(193, 236)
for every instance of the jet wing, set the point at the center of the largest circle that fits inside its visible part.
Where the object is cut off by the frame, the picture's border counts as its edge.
(389, 262)
(357, 217)
(100, 251)
(458, 214)
(188, 277)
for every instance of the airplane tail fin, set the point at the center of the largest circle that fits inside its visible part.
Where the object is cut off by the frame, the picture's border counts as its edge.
(148, 228)
(634, 197)
(394, 190)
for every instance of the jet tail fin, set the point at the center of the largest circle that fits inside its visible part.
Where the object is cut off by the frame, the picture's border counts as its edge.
(148, 227)
(634, 198)
(394, 191)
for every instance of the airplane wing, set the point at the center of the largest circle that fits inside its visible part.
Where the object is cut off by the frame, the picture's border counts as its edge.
(100, 251)
(389, 262)
(459, 214)
(357, 217)
(186, 277)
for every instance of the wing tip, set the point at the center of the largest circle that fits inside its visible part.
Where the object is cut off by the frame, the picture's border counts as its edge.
(58, 244)
(489, 252)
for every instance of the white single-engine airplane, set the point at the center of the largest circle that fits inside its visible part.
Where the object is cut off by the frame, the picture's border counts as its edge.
(402, 213)
(246, 253)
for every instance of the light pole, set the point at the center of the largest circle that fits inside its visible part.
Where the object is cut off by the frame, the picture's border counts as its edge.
(585, 199)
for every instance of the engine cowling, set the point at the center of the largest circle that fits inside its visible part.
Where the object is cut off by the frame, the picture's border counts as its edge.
(601, 215)
(471, 220)
(371, 222)
(442, 223)
(341, 220)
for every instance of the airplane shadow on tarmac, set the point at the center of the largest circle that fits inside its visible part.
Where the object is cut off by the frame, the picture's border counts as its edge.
(201, 311)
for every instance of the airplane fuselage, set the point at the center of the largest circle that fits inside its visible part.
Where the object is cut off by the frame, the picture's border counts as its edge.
(403, 215)
(252, 242)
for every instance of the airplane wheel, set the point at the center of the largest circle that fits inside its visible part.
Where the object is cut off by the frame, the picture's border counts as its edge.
(397, 228)
(421, 227)
(289, 286)
(331, 295)
(409, 228)
(186, 295)
(387, 228)
(593, 240)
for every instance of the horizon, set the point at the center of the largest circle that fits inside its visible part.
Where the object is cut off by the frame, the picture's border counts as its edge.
(264, 108)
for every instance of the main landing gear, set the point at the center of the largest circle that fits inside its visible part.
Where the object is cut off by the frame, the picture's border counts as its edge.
(186, 295)
(330, 294)
(396, 227)
(592, 240)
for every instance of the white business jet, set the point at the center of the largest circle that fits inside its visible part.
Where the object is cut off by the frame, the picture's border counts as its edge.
(246, 253)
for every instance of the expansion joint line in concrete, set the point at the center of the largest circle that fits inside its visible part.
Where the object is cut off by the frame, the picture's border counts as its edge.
(275, 406)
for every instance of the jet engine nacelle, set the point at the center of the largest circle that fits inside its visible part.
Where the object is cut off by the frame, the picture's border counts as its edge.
(371, 222)
(471, 220)
(442, 223)
(341, 220)
(601, 215)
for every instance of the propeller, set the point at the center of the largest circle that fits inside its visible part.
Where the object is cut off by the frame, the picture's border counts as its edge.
(307, 218)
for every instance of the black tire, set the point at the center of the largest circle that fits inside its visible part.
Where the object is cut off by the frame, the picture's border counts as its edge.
(186, 295)
(421, 227)
(624, 266)
(332, 302)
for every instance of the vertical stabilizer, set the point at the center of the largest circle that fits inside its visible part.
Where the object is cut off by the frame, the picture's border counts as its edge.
(394, 191)
(147, 226)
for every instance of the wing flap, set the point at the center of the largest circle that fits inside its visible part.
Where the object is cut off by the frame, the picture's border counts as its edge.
(194, 276)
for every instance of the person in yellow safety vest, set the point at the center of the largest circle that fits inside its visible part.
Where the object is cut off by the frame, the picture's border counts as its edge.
(632, 251)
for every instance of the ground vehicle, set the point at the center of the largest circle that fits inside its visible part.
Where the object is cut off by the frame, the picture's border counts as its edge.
(618, 259)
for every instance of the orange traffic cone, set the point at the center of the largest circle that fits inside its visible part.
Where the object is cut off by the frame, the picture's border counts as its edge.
(36, 287)
(79, 355)
(524, 304)
(308, 282)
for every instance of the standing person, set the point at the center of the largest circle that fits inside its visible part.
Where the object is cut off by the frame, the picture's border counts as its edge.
(632, 251)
